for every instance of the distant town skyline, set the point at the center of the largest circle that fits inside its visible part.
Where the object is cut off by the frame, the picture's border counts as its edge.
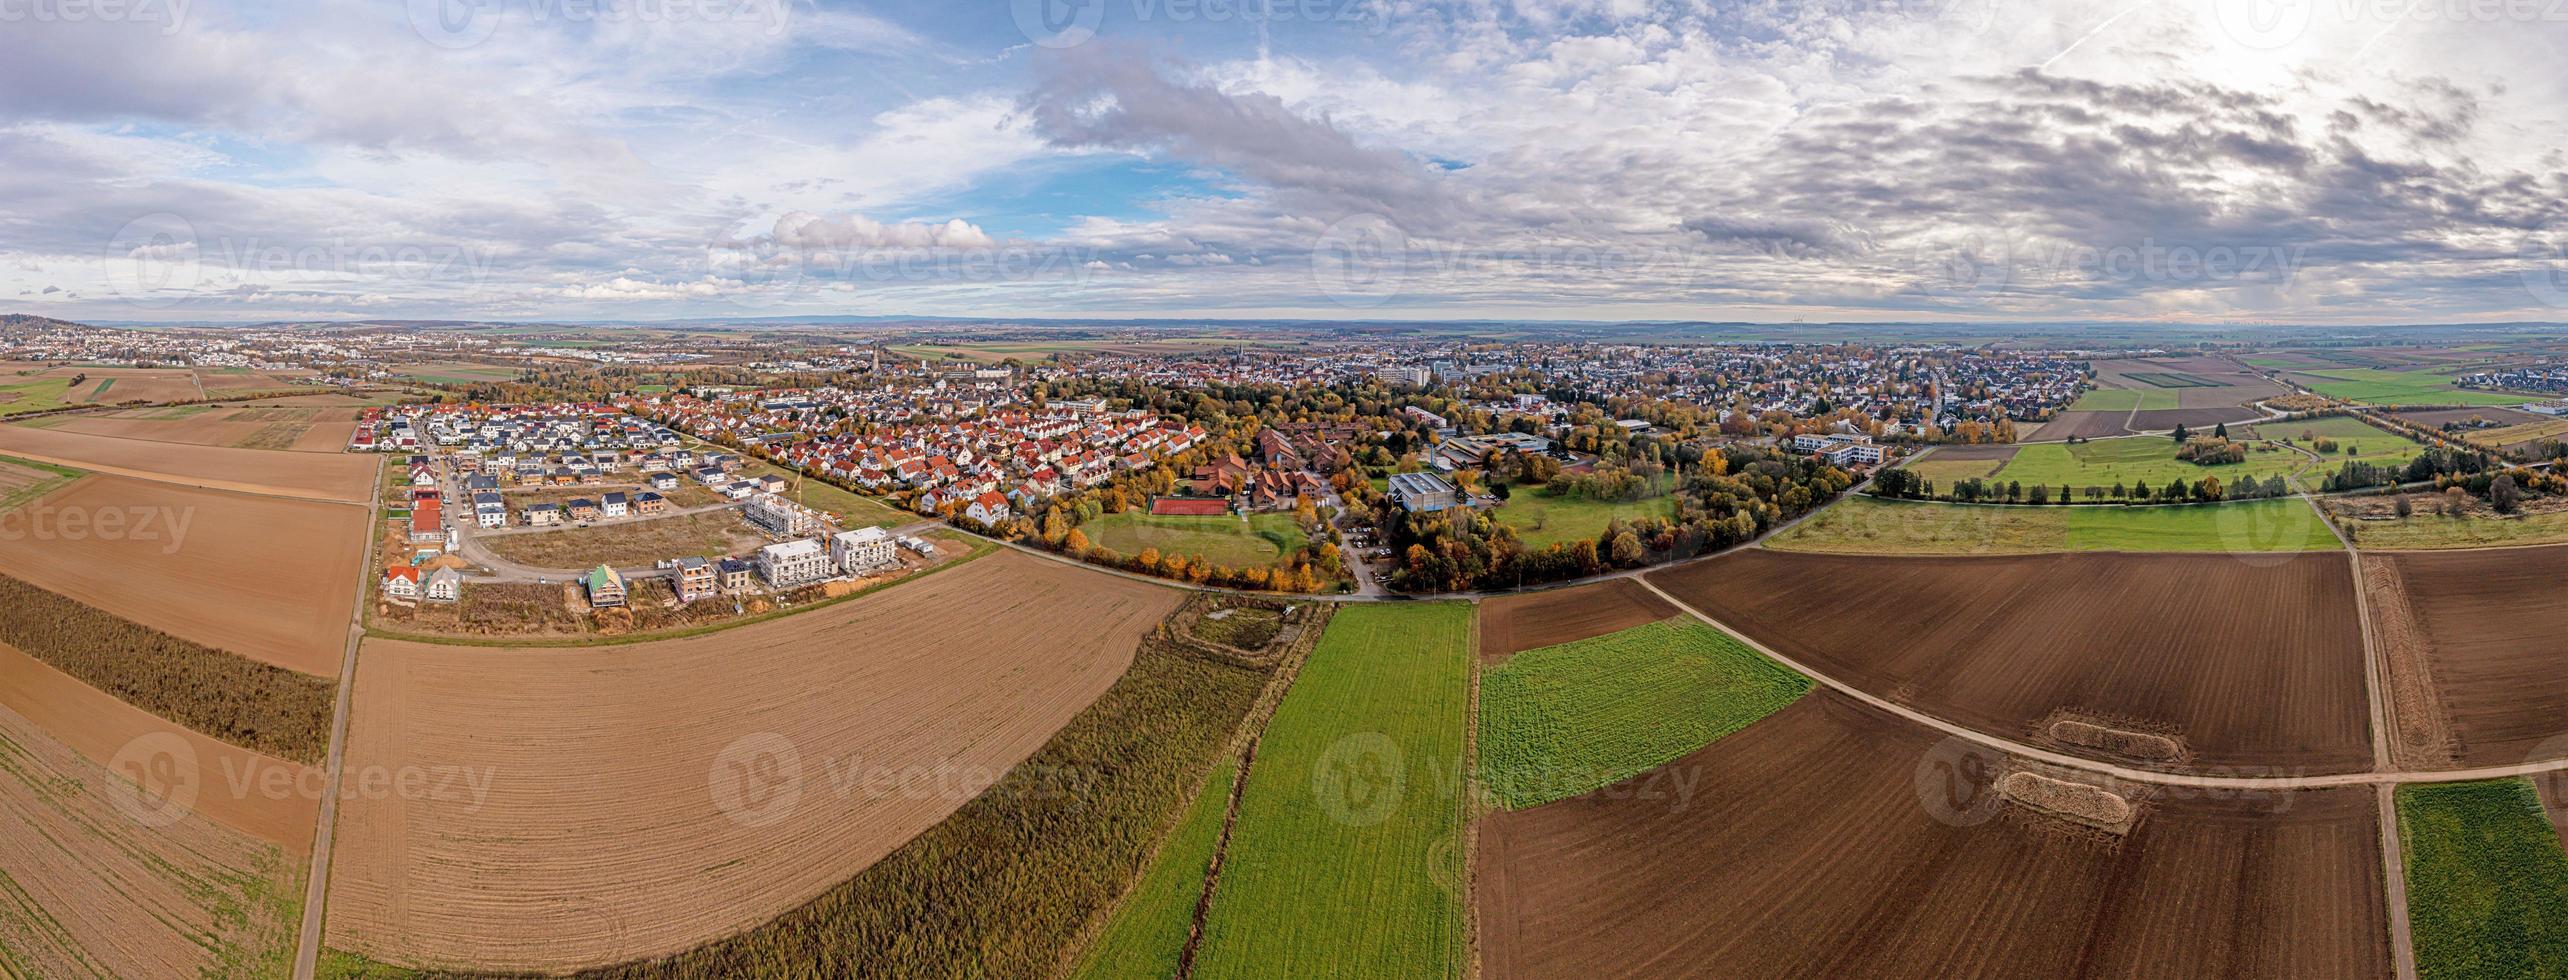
(2278, 161)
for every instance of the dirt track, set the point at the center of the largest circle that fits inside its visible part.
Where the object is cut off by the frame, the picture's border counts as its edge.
(1805, 846)
(2249, 663)
(2491, 634)
(317, 476)
(1516, 623)
(265, 577)
(967, 671)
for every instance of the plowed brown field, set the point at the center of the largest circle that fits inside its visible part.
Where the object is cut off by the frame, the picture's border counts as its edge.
(602, 838)
(247, 428)
(1541, 619)
(2248, 662)
(90, 891)
(2192, 418)
(1805, 846)
(2083, 425)
(269, 578)
(316, 476)
(2491, 634)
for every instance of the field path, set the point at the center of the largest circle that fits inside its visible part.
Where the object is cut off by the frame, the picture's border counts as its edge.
(316, 881)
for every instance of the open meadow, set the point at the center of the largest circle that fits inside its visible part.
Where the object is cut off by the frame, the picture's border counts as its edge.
(1346, 859)
(1542, 519)
(1862, 525)
(1565, 720)
(2246, 661)
(2135, 460)
(1832, 840)
(1229, 540)
(827, 739)
(2374, 386)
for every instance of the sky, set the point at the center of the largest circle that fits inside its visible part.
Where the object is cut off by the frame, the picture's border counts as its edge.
(2202, 161)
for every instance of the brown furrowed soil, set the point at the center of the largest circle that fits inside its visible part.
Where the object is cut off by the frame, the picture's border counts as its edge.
(2254, 662)
(269, 578)
(723, 779)
(2491, 633)
(2083, 425)
(2421, 732)
(1541, 619)
(316, 476)
(265, 797)
(2192, 418)
(88, 890)
(1832, 840)
(2436, 417)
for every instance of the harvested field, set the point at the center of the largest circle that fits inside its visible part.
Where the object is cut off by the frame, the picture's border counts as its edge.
(948, 681)
(2083, 425)
(95, 725)
(1541, 619)
(22, 481)
(269, 578)
(1818, 842)
(315, 476)
(2488, 635)
(2433, 418)
(2421, 735)
(90, 891)
(2251, 661)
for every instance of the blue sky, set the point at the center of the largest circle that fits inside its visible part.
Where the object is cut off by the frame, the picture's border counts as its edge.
(2189, 160)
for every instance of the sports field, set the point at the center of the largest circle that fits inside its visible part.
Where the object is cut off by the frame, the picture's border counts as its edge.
(1563, 720)
(1260, 539)
(1541, 519)
(2487, 881)
(1347, 857)
(1872, 526)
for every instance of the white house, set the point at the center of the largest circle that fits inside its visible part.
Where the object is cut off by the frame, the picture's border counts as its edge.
(988, 508)
(401, 581)
(445, 585)
(794, 563)
(862, 549)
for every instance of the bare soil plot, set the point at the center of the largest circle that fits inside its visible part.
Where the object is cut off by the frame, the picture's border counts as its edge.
(1541, 619)
(627, 541)
(2192, 418)
(2082, 425)
(2247, 661)
(2437, 417)
(199, 429)
(132, 384)
(1831, 840)
(2488, 635)
(89, 891)
(316, 476)
(269, 578)
(262, 796)
(605, 835)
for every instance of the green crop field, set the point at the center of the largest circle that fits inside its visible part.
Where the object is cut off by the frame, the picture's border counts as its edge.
(2172, 379)
(1149, 931)
(2428, 531)
(1541, 519)
(2487, 881)
(2123, 400)
(1870, 525)
(2132, 460)
(1347, 858)
(21, 397)
(2376, 387)
(1563, 720)
(1260, 539)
